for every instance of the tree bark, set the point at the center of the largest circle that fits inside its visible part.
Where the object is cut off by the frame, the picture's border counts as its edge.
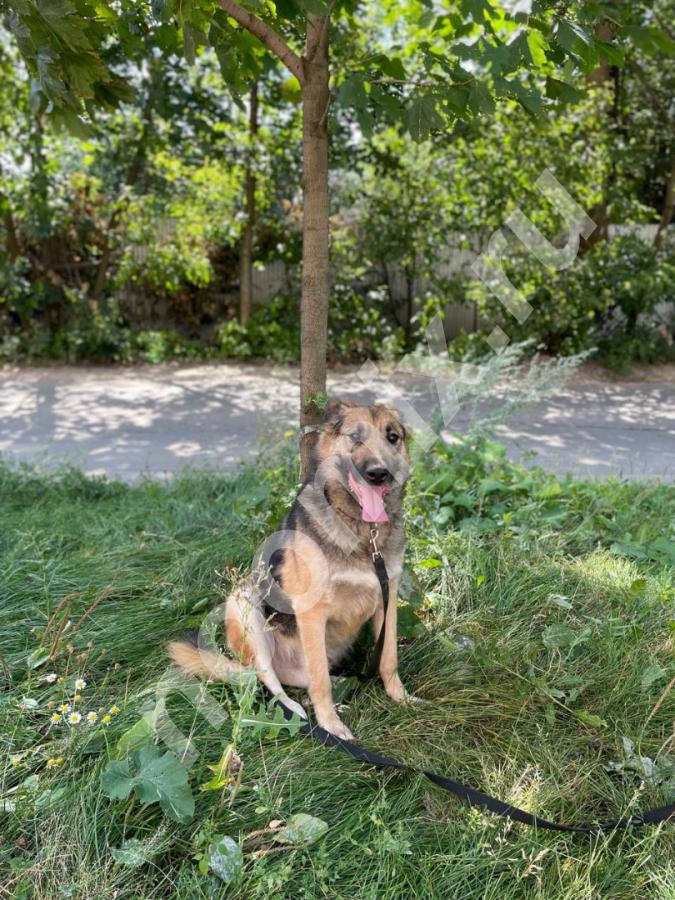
(11, 239)
(409, 307)
(315, 271)
(246, 249)
(668, 205)
(604, 31)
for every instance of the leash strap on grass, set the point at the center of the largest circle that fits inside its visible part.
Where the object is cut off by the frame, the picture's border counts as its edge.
(463, 791)
(475, 797)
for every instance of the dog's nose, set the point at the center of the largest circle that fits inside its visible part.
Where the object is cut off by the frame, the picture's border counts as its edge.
(378, 475)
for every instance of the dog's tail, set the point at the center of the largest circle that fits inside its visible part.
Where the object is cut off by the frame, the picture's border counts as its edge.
(191, 658)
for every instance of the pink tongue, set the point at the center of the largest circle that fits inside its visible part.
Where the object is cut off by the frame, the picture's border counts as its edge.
(371, 500)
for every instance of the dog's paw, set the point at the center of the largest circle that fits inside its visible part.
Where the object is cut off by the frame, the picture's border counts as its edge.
(297, 708)
(394, 688)
(337, 728)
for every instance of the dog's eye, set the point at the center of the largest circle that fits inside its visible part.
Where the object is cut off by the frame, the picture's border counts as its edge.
(355, 437)
(393, 438)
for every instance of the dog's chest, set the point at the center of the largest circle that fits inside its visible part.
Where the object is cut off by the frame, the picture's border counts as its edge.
(354, 595)
(352, 600)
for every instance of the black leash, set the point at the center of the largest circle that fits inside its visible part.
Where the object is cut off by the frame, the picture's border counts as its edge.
(383, 578)
(464, 792)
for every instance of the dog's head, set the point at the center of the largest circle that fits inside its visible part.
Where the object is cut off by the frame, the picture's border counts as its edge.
(364, 448)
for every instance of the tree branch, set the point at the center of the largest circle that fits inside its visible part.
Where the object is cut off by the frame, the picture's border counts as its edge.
(424, 84)
(266, 35)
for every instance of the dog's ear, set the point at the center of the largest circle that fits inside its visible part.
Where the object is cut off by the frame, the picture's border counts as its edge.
(334, 412)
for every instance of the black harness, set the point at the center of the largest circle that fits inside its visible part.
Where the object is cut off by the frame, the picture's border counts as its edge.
(464, 792)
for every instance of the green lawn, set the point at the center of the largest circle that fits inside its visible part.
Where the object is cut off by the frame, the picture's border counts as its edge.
(538, 620)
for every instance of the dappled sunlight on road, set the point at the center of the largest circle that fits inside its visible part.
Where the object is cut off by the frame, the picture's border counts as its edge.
(126, 421)
(156, 419)
(598, 430)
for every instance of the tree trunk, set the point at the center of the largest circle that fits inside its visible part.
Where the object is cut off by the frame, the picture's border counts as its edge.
(668, 204)
(315, 272)
(11, 239)
(409, 308)
(12, 247)
(246, 249)
(604, 31)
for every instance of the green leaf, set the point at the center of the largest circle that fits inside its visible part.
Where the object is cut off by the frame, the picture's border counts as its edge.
(139, 734)
(117, 780)
(475, 8)
(429, 563)
(390, 66)
(652, 673)
(590, 719)
(490, 485)
(38, 658)
(271, 726)
(559, 637)
(67, 120)
(571, 36)
(132, 853)
(662, 547)
(630, 549)
(529, 100)
(222, 770)
(162, 778)
(142, 732)
(561, 90)
(352, 94)
(614, 55)
(423, 117)
(301, 829)
(225, 858)
(480, 100)
(156, 778)
(537, 46)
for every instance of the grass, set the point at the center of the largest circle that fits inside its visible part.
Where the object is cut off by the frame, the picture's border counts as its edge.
(538, 621)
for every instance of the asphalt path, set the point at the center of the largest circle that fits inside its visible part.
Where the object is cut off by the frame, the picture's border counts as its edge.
(154, 420)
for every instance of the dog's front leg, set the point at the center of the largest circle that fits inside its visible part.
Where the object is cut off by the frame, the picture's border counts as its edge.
(312, 630)
(389, 659)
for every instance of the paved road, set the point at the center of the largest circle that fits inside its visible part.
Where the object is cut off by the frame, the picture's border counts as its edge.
(126, 422)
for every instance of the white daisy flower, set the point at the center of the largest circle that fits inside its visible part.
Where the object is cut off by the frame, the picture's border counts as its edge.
(51, 678)
(75, 718)
(92, 717)
(80, 684)
(55, 718)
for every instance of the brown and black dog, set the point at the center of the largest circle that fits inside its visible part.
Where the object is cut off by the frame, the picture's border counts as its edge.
(300, 611)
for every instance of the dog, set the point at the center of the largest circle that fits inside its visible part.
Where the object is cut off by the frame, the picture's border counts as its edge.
(314, 588)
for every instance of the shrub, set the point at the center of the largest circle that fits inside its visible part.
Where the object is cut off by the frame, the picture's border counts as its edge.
(622, 278)
(165, 346)
(18, 299)
(644, 345)
(272, 332)
(358, 328)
